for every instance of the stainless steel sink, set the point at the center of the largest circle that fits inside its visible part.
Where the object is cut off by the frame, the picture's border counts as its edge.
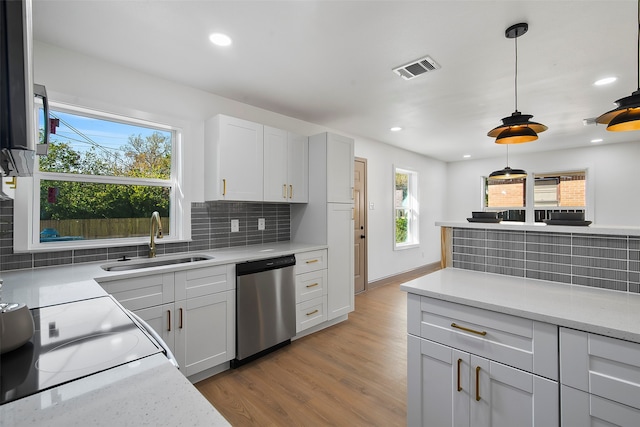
(153, 262)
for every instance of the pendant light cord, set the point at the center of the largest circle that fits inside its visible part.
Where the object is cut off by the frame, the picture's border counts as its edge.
(516, 74)
(638, 51)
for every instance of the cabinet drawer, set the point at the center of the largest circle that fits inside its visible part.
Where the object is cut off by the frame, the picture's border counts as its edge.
(142, 292)
(580, 409)
(311, 261)
(311, 313)
(602, 366)
(515, 341)
(204, 281)
(311, 285)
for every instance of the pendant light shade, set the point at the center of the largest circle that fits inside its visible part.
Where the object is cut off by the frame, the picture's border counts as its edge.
(508, 173)
(516, 129)
(626, 116)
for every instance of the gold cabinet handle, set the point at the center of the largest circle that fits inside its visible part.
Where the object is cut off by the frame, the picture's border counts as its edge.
(478, 383)
(312, 285)
(224, 187)
(473, 331)
(290, 191)
(284, 191)
(311, 261)
(13, 183)
(168, 320)
(313, 312)
(459, 385)
(180, 318)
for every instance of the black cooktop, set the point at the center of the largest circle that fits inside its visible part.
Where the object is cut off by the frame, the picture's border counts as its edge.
(71, 341)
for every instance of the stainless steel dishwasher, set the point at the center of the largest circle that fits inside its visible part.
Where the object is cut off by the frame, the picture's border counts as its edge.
(265, 307)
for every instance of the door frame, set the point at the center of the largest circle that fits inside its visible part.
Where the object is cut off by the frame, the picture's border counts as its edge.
(365, 272)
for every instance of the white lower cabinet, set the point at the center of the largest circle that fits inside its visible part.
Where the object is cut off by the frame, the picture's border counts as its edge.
(192, 310)
(473, 367)
(449, 387)
(311, 289)
(600, 379)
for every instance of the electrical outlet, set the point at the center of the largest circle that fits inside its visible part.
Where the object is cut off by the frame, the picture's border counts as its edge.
(235, 225)
(261, 224)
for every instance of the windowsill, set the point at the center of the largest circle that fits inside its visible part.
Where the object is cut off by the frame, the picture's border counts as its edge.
(541, 227)
(93, 244)
(407, 246)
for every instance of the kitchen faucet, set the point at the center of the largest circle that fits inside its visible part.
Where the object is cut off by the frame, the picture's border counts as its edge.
(157, 224)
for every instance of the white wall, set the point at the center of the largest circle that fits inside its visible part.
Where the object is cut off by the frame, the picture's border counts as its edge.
(611, 172)
(381, 158)
(86, 81)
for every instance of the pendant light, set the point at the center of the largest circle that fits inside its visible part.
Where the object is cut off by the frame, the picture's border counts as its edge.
(516, 129)
(507, 172)
(626, 116)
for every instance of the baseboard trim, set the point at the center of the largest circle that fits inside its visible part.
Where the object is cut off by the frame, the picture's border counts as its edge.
(405, 276)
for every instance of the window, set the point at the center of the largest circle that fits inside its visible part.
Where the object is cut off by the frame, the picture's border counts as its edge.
(406, 208)
(102, 179)
(559, 191)
(507, 196)
(552, 192)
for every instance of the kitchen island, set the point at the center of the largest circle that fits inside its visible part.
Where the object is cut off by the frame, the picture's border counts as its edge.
(496, 350)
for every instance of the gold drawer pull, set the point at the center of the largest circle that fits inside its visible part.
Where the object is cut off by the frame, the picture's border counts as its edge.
(459, 385)
(483, 333)
(312, 285)
(312, 261)
(224, 187)
(313, 312)
(168, 320)
(478, 383)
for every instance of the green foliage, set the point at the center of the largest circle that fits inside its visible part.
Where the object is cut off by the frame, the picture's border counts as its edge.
(148, 157)
(401, 230)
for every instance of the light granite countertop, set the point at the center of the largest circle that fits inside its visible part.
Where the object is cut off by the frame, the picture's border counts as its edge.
(147, 392)
(39, 287)
(544, 228)
(601, 311)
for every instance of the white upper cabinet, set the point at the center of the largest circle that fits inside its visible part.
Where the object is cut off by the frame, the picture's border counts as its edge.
(298, 168)
(339, 169)
(234, 155)
(286, 164)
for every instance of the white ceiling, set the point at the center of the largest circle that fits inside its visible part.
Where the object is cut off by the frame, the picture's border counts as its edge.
(329, 62)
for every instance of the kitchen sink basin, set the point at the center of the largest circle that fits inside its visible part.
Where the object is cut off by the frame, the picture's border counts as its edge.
(153, 262)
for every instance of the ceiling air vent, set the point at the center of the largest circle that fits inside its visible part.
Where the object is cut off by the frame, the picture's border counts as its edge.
(417, 67)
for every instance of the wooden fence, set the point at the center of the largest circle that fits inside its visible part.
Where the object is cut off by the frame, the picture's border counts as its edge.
(102, 228)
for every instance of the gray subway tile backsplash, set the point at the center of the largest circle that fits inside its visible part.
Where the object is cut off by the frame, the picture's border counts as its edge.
(603, 261)
(210, 229)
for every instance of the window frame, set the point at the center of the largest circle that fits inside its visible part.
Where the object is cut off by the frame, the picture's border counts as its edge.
(27, 201)
(530, 207)
(413, 228)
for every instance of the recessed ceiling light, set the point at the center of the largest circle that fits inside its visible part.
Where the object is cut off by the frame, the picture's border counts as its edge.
(395, 129)
(595, 141)
(605, 81)
(220, 39)
(467, 156)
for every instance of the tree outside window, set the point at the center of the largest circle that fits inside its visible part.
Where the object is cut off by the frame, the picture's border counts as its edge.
(103, 178)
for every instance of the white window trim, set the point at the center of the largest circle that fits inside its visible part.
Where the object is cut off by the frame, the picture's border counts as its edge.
(27, 200)
(529, 208)
(415, 209)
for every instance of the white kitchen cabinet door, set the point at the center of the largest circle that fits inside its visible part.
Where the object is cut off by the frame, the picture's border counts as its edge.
(160, 318)
(205, 331)
(438, 386)
(503, 396)
(276, 157)
(580, 409)
(298, 168)
(340, 154)
(340, 278)
(234, 155)
(449, 387)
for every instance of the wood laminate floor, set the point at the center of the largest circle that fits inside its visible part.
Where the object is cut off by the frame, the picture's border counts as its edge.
(351, 374)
